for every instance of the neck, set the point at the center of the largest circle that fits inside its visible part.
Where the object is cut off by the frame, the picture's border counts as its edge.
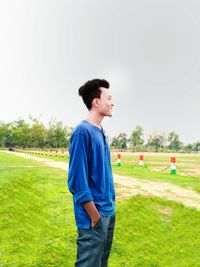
(94, 118)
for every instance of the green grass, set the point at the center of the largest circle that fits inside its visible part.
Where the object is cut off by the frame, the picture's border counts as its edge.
(143, 172)
(12, 167)
(53, 156)
(37, 222)
(37, 225)
(154, 232)
(188, 169)
(185, 164)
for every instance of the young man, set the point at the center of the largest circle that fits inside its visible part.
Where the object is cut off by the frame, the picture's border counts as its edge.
(90, 178)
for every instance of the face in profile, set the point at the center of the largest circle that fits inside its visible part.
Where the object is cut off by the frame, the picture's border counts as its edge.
(105, 104)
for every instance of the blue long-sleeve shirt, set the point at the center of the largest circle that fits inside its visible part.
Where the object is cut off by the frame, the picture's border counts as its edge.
(90, 173)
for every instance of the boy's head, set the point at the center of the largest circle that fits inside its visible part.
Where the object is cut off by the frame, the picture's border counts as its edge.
(91, 90)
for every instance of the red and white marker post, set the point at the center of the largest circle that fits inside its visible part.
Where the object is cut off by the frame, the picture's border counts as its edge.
(173, 165)
(119, 163)
(141, 160)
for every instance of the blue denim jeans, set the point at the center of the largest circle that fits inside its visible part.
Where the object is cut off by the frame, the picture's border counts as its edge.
(94, 244)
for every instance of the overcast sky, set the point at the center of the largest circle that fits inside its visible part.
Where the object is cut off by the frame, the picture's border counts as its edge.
(148, 50)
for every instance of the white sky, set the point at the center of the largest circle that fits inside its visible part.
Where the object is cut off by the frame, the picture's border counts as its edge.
(149, 51)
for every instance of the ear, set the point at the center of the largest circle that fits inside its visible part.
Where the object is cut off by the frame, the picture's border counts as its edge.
(95, 102)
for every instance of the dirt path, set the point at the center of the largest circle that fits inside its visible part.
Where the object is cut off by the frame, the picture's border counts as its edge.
(45, 161)
(128, 186)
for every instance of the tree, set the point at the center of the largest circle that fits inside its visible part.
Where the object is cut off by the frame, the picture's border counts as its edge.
(114, 142)
(157, 141)
(38, 133)
(188, 148)
(58, 136)
(136, 138)
(196, 146)
(21, 133)
(121, 141)
(6, 134)
(174, 142)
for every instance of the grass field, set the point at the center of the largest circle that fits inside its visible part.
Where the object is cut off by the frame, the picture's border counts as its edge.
(188, 168)
(37, 225)
(53, 156)
(155, 168)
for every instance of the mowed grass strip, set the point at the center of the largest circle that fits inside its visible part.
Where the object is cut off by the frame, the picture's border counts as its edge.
(152, 232)
(37, 224)
(11, 167)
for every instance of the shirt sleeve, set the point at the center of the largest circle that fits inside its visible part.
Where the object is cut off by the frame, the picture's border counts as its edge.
(78, 168)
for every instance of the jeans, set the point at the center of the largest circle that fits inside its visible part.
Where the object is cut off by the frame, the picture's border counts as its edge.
(94, 244)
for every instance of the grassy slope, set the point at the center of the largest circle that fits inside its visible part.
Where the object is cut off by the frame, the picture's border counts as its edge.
(37, 223)
(152, 232)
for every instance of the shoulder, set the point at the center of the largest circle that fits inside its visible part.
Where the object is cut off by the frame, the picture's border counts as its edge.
(82, 129)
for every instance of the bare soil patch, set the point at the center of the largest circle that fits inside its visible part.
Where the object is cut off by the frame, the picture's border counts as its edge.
(128, 186)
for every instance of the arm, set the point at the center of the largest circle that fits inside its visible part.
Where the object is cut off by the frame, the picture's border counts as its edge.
(78, 176)
(92, 212)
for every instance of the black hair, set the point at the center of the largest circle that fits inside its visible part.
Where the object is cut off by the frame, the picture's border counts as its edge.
(90, 90)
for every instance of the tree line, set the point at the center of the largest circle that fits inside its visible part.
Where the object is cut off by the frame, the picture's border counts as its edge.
(35, 135)
(156, 142)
